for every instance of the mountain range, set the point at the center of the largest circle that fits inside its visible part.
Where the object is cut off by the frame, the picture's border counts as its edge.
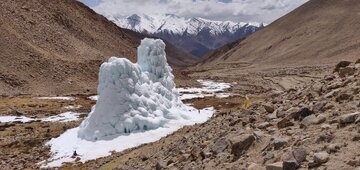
(197, 36)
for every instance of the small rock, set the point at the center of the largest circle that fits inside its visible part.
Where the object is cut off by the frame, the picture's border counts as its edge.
(275, 166)
(346, 71)
(280, 113)
(239, 144)
(341, 64)
(343, 97)
(279, 143)
(325, 126)
(325, 138)
(294, 158)
(321, 157)
(220, 145)
(320, 119)
(302, 113)
(285, 122)
(264, 125)
(309, 120)
(332, 148)
(319, 106)
(356, 138)
(254, 166)
(317, 87)
(349, 118)
(159, 166)
(269, 109)
(268, 156)
(357, 61)
(332, 93)
(270, 117)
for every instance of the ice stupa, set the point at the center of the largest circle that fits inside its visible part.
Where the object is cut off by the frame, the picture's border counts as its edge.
(134, 97)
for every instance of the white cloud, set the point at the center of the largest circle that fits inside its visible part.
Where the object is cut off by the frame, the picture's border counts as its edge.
(235, 10)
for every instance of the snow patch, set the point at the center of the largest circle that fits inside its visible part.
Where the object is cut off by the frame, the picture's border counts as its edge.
(57, 98)
(72, 107)
(63, 117)
(96, 97)
(209, 89)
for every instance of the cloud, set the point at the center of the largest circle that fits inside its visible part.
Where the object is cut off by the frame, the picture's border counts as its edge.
(236, 10)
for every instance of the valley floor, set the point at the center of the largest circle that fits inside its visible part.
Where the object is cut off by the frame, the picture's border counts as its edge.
(299, 117)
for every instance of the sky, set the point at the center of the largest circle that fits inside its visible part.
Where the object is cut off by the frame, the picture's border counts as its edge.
(262, 11)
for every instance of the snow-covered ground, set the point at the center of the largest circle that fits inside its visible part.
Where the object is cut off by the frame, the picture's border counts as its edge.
(64, 146)
(57, 98)
(63, 117)
(72, 107)
(210, 88)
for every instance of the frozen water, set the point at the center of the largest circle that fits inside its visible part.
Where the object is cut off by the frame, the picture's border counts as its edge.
(63, 146)
(63, 117)
(136, 104)
(134, 97)
(57, 98)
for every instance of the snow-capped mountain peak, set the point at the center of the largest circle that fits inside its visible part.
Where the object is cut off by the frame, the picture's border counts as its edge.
(177, 25)
(197, 35)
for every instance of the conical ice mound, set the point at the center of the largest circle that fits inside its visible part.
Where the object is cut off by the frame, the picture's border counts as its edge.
(134, 97)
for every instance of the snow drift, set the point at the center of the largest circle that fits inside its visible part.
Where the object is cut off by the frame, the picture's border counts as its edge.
(134, 97)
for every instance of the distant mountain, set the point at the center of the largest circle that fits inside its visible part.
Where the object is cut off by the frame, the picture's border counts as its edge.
(197, 36)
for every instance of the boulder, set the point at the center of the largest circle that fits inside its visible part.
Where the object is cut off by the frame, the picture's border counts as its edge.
(241, 143)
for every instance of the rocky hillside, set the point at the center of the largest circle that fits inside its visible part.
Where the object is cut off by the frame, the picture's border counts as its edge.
(313, 127)
(319, 32)
(56, 47)
(197, 36)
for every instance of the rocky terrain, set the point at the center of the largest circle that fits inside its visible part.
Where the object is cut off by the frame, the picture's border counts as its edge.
(312, 127)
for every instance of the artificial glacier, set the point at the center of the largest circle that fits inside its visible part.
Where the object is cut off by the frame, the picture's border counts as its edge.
(137, 104)
(134, 97)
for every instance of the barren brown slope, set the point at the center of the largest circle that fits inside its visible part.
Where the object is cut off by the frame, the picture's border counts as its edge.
(56, 47)
(319, 32)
